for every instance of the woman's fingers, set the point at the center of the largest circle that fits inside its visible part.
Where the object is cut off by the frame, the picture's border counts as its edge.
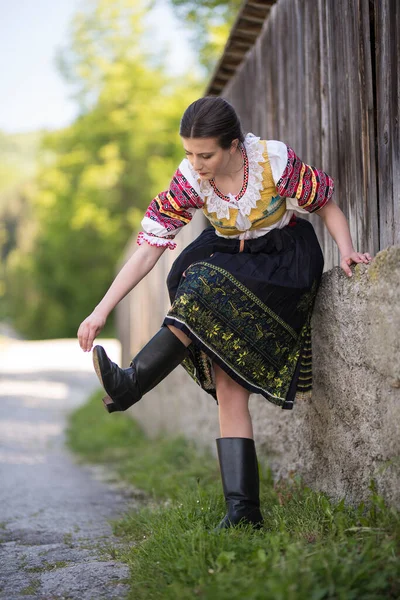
(88, 331)
(363, 257)
(356, 257)
(83, 336)
(345, 262)
(92, 333)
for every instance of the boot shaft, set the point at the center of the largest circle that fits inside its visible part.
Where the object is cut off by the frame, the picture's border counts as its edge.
(239, 469)
(161, 355)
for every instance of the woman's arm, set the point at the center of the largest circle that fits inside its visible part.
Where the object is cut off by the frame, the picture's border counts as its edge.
(338, 227)
(135, 269)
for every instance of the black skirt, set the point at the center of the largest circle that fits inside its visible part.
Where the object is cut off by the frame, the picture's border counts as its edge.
(249, 309)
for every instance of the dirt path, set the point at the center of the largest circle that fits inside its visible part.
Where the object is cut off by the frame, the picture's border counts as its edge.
(54, 513)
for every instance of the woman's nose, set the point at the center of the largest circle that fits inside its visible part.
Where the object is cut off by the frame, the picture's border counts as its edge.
(197, 164)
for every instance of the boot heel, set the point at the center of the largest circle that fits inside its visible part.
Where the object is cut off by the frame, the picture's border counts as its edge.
(109, 406)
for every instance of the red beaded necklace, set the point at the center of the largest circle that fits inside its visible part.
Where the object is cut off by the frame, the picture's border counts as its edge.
(245, 178)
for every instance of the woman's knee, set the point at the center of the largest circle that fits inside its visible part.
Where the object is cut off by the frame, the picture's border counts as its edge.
(222, 379)
(229, 392)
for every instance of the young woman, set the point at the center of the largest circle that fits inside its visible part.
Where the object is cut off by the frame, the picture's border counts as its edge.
(241, 294)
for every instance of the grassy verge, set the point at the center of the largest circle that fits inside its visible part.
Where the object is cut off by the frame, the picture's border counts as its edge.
(309, 549)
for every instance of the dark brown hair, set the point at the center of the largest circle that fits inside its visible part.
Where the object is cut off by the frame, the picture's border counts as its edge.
(213, 117)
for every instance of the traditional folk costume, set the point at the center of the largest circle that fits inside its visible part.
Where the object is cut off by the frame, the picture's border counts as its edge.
(244, 290)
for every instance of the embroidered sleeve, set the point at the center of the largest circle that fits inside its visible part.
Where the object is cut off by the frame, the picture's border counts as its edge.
(305, 187)
(170, 210)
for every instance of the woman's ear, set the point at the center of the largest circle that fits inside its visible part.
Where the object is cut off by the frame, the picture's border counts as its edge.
(234, 146)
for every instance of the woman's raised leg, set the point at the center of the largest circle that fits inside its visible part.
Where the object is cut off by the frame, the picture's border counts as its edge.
(124, 387)
(180, 335)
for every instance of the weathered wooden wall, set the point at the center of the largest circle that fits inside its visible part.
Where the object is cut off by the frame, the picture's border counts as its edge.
(323, 76)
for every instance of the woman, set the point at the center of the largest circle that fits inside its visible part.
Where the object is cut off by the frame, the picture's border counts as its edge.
(241, 294)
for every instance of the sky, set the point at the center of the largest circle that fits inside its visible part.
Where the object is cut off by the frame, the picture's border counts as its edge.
(33, 94)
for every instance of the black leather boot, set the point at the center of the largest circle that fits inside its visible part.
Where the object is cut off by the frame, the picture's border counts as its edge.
(240, 481)
(151, 365)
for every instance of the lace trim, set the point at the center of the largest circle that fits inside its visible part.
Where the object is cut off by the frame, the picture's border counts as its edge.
(154, 241)
(248, 201)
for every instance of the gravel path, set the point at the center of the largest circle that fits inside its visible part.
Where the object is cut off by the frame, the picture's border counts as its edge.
(54, 513)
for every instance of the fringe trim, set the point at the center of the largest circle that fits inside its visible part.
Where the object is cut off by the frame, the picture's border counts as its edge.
(303, 395)
(154, 241)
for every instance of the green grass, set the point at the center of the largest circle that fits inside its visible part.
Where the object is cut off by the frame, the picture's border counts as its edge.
(58, 564)
(31, 589)
(158, 468)
(309, 549)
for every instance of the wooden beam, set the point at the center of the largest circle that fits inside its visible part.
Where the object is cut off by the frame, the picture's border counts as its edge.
(229, 69)
(234, 54)
(253, 19)
(236, 44)
(224, 76)
(248, 32)
(245, 30)
(263, 5)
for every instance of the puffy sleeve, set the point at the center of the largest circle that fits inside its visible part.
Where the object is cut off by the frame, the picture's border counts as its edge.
(305, 188)
(170, 210)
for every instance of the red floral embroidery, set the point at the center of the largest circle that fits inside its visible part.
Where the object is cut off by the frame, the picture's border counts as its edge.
(297, 175)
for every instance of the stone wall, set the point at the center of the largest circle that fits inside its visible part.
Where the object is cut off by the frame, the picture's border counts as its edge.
(349, 431)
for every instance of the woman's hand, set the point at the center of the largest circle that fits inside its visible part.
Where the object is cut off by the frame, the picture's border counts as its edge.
(89, 329)
(354, 257)
(338, 227)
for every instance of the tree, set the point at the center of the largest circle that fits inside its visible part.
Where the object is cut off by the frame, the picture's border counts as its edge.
(97, 176)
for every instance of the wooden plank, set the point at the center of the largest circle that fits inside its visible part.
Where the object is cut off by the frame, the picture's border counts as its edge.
(308, 81)
(387, 44)
(253, 19)
(344, 57)
(234, 54)
(351, 146)
(395, 19)
(368, 201)
(383, 79)
(285, 71)
(296, 97)
(260, 4)
(248, 32)
(328, 119)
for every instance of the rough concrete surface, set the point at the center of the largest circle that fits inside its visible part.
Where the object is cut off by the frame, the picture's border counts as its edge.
(55, 535)
(349, 431)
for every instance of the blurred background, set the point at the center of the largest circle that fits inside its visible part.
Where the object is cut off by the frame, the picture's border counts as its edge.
(91, 95)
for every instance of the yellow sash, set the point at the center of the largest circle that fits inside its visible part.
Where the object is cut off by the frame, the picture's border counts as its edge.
(269, 210)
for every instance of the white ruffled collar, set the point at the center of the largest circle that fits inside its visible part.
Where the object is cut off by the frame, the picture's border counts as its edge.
(249, 199)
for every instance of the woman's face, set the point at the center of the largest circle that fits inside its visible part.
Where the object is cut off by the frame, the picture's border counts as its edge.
(207, 158)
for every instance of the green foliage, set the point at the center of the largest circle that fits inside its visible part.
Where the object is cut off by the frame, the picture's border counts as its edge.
(63, 233)
(17, 160)
(17, 168)
(96, 177)
(310, 548)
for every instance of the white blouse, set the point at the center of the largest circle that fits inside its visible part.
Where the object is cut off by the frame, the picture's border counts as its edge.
(300, 185)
